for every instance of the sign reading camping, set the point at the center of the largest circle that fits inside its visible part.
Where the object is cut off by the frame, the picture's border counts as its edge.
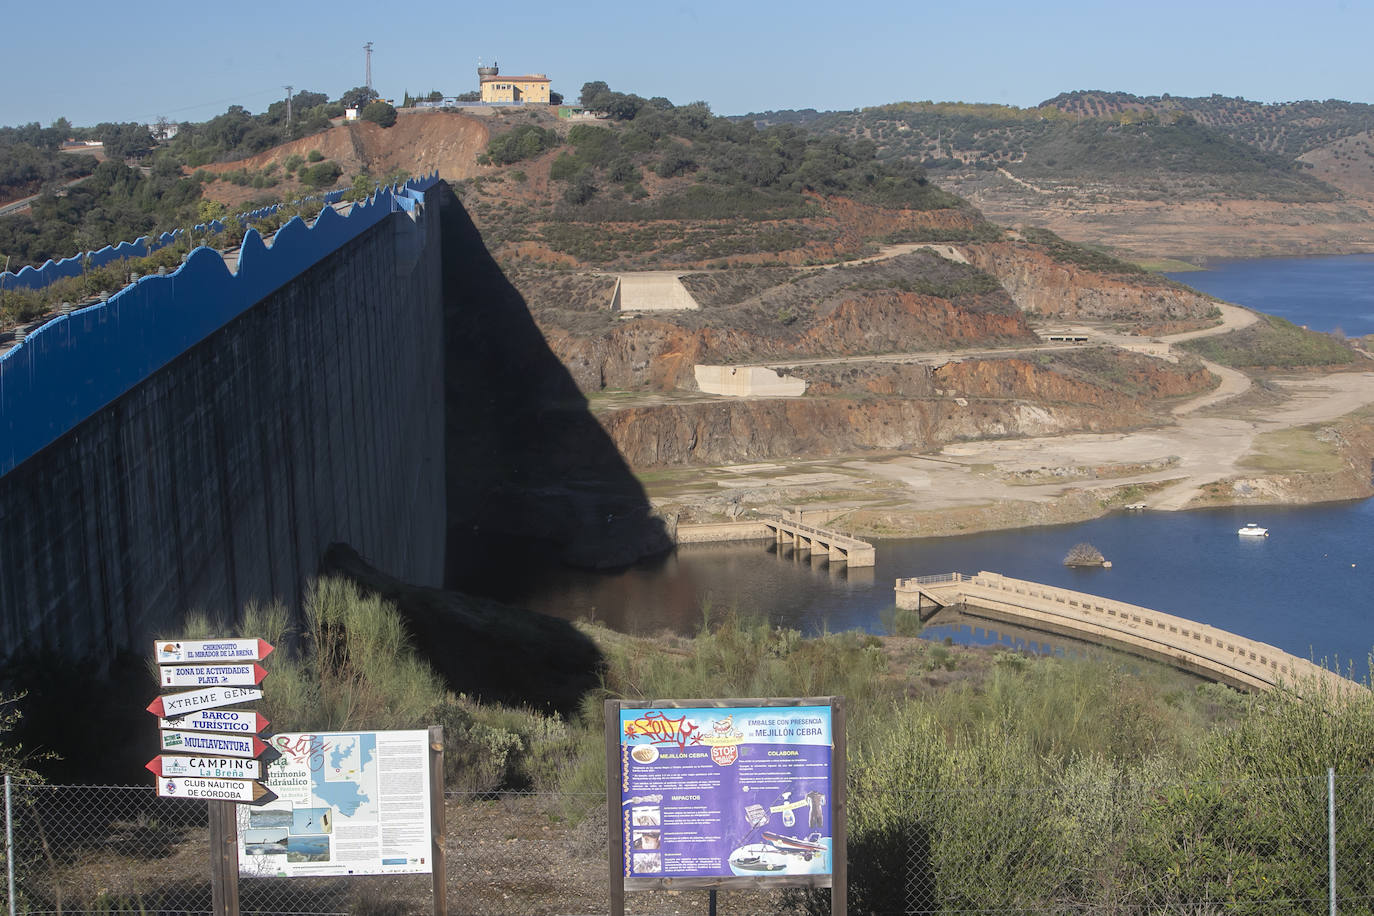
(207, 767)
(731, 791)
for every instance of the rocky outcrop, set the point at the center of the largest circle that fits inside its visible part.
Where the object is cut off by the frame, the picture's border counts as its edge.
(1021, 378)
(720, 432)
(1043, 286)
(659, 355)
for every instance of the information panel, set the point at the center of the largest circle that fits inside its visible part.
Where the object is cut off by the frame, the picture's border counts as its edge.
(714, 792)
(349, 803)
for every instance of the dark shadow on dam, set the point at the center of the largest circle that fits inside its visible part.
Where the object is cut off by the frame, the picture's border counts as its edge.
(316, 417)
(532, 477)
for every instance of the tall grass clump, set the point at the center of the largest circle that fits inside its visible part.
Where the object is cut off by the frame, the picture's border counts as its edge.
(353, 666)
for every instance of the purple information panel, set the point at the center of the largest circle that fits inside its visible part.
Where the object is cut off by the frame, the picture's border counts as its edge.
(718, 792)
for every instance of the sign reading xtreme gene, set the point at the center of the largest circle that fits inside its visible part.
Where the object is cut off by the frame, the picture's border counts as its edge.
(719, 792)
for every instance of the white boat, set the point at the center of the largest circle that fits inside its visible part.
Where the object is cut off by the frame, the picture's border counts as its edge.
(1253, 531)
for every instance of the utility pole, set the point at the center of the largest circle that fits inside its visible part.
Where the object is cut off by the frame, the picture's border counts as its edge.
(368, 48)
(290, 129)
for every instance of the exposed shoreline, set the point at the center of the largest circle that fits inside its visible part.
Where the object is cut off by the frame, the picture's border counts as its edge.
(1289, 440)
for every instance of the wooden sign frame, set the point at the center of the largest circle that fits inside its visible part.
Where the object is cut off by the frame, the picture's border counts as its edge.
(837, 880)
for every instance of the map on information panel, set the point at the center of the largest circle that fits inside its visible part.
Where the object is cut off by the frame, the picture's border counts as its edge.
(349, 803)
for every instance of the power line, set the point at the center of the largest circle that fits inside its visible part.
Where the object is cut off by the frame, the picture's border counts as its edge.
(231, 98)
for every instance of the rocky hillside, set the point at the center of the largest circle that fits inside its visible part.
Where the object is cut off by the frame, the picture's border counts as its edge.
(918, 410)
(801, 252)
(421, 141)
(1046, 286)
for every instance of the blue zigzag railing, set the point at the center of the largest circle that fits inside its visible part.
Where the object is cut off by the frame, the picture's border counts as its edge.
(35, 278)
(75, 364)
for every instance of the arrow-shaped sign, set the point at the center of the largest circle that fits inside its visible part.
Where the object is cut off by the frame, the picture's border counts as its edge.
(239, 790)
(179, 704)
(234, 721)
(208, 743)
(170, 651)
(206, 767)
(213, 675)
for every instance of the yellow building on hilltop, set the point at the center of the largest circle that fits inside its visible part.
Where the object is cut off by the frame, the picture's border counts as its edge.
(513, 90)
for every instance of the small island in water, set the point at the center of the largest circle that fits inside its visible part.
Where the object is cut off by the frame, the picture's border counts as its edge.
(1085, 554)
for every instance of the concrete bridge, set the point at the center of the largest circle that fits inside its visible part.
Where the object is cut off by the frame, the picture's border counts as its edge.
(1214, 654)
(817, 540)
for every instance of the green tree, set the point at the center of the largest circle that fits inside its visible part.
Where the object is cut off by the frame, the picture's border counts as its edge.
(379, 112)
(357, 97)
(123, 141)
(321, 175)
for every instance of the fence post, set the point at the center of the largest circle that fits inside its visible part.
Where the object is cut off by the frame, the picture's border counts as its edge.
(1331, 834)
(9, 846)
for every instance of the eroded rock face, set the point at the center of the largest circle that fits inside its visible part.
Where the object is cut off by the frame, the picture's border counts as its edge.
(718, 432)
(660, 355)
(1039, 284)
(1020, 378)
(903, 407)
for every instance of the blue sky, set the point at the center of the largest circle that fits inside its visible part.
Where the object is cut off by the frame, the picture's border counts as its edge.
(95, 62)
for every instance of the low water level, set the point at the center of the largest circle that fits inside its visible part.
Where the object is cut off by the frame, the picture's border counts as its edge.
(1324, 294)
(1308, 588)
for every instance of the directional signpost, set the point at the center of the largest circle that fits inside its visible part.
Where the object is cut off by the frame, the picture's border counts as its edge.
(207, 743)
(213, 751)
(235, 721)
(170, 651)
(246, 675)
(206, 767)
(231, 790)
(178, 704)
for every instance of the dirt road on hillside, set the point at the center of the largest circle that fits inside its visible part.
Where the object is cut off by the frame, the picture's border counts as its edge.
(1175, 464)
(1199, 450)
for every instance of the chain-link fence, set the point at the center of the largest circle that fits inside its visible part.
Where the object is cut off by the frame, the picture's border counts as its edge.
(1253, 847)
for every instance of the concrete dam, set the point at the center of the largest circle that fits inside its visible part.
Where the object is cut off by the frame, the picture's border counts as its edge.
(199, 440)
(314, 413)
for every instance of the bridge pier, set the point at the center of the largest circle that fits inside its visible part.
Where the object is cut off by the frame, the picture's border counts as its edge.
(821, 543)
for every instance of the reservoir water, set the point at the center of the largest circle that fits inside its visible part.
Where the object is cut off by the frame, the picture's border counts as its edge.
(1308, 588)
(1325, 294)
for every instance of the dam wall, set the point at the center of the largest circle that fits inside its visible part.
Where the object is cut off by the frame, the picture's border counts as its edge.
(34, 278)
(200, 439)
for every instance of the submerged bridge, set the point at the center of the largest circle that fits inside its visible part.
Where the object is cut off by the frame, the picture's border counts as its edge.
(837, 546)
(1212, 653)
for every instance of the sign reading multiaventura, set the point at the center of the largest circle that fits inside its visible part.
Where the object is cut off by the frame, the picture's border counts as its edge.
(719, 792)
(348, 803)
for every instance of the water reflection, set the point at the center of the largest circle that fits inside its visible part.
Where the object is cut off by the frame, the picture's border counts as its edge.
(1305, 589)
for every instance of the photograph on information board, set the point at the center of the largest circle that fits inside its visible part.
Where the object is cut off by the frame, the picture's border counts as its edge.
(720, 792)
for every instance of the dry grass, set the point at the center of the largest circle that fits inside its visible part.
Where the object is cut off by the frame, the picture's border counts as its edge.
(1295, 451)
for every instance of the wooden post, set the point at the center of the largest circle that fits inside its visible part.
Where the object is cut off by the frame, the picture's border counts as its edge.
(615, 854)
(438, 817)
(839, 853)
(224, 858)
